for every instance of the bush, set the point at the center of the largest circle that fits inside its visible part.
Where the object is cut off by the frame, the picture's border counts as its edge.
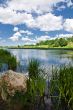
(63, 42)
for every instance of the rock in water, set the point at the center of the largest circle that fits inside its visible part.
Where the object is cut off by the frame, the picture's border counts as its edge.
(10, 82)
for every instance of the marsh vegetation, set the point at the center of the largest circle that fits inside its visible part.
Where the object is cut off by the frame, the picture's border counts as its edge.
(7, 58)
(58, 95)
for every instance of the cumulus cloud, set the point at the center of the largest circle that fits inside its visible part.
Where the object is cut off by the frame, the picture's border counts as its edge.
(26, 32)
(69, 3)
(63, 36)
(47, 22)
(9, 16)
(33, 5)
(16, 36)
(15, 29)
(28, 40)
(68, 25)
(42, 38)
(13, 14)
(50, 22)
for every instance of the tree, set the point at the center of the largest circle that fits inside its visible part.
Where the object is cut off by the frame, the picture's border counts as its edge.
(63, 42)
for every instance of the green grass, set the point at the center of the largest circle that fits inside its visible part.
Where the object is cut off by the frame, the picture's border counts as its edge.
(35, 89)
(61, 88)
(7, 58)
(62, 85)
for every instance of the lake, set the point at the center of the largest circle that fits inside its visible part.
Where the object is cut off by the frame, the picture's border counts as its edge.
(47, 58)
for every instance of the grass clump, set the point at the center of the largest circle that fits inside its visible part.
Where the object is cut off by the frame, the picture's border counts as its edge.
(36, 83)
(7, 58)
(62, 88)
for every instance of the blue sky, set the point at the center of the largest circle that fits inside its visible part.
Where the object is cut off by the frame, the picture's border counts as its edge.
(28, 22)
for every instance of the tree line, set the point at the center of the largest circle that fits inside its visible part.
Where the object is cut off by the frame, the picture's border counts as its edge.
(58, 42)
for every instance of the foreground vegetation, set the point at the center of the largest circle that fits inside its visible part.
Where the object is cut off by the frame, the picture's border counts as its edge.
(59, 91)
(57, 94)
(30, 100)
(8, 59)
(62, 88)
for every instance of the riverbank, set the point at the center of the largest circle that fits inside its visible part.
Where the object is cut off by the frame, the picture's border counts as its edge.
(42, 48)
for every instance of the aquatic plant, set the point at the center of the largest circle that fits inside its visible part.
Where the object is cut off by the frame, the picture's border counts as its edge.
(7, 58)
(33, 68)
(36, 83)
(30, 99)
(62, 88)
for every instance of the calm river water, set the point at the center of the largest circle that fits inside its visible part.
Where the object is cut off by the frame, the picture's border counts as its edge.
(47, 58)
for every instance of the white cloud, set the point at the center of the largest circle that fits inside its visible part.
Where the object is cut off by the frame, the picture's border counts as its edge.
(33, 5)
(15, 29)
(63, 35)
(28, 40)
(8, 16)
(50, 22)
(26, 32)
(16, 36)
(69, 3)
(61, 7)
(47, 22)
(42, 38)
(68, 25)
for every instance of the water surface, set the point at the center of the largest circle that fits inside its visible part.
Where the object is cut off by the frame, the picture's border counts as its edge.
(47, 58)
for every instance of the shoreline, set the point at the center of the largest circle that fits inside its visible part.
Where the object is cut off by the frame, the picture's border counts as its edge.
(44, 48)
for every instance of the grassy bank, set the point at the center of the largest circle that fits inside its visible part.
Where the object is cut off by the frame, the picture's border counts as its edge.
(42, 48)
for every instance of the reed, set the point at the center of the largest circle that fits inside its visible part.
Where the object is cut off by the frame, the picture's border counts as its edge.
(7, 58)
(62, 87)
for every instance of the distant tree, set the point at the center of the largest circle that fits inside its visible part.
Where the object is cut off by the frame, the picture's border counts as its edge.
(62, 42)
(56, 44)
(18, 46)
(70, 39)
